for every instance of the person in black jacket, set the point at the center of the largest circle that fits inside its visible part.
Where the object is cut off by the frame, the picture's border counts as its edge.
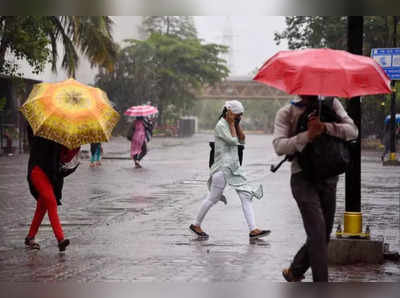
(46, 179)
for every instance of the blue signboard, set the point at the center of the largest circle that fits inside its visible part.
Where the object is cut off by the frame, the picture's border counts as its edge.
(389, 59)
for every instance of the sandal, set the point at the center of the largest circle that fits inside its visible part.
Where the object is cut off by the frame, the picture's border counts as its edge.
(289, 277)
(200, 234)
(62, 245)
(259, 234)
(31, 243)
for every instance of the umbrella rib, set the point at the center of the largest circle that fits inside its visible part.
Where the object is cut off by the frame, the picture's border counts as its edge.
(49, 115)
(99, 122)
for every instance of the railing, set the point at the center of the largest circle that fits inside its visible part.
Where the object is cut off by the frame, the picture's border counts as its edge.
(166, 130)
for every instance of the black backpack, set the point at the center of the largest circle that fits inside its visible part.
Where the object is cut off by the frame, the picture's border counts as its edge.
(326, 156)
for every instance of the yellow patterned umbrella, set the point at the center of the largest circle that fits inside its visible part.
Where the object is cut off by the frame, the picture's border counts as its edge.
(70, 113)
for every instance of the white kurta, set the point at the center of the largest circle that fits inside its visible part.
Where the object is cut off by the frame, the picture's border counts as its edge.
(226, 159)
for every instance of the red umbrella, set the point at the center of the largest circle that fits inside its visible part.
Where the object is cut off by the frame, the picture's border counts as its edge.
(324, 72)
(143, 111)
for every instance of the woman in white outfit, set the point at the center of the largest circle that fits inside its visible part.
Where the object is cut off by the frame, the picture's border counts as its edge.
(226, 170)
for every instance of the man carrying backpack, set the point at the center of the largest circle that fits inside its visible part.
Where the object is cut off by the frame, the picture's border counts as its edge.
(315, 198)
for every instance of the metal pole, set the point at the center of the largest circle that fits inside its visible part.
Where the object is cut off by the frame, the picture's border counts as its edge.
(353, 175)
(393, 101)
(1, 132)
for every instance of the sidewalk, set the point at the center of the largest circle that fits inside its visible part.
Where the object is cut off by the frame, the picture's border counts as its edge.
(119, 147)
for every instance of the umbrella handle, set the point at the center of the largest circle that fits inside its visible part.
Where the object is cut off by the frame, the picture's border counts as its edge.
(320, 99)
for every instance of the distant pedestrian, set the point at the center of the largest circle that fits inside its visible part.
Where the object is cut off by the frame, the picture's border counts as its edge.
(316, 200)
(141, 134)
(49, 163)
(96, 151)
(386, 139)
(226, 170)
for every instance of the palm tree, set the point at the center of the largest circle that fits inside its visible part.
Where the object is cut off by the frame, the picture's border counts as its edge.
(90, 35)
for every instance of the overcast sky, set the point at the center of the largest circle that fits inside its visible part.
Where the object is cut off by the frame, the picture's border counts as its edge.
(253, 38)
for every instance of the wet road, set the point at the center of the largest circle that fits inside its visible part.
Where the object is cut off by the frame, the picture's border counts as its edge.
(130, 224)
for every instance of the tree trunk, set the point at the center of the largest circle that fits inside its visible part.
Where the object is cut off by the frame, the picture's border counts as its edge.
(386, 41)
(4, 43)
(168, 25)
(3, 50)
(160, 119)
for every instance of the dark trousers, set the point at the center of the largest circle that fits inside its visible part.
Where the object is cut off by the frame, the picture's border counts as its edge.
(139, 156)
(317, 205)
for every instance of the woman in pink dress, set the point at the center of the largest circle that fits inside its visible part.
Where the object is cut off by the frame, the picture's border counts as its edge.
(142, 131)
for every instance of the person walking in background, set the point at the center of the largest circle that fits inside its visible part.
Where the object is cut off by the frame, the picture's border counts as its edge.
(316, 200)
(141, 134)
(46, 171)
(95, 150)
(386, 139)
(226, 170)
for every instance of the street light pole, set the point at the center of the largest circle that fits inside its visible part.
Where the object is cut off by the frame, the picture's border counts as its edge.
(353, 216)
(393, 102)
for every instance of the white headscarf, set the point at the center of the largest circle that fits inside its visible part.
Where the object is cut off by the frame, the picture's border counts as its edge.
(234, 106)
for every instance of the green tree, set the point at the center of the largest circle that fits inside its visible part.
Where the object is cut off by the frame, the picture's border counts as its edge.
(35, 38)
(181, 26)
(166, 69)
(314, 32)
(331, 32)
(24, 38)
(133, 81)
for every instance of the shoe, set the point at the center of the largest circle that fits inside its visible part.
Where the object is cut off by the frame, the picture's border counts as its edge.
(137, 165)
(31, 243)
(223, 200)
(92, 165)
(259, 233)
(62, 245)
(200, 234)
(289, 277)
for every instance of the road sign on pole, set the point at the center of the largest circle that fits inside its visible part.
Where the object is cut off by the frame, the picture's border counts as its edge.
(389, 60)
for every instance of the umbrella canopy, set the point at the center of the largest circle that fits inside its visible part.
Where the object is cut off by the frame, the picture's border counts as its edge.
(70, 113)
(324, 72)
(397, 118)
(141, 111)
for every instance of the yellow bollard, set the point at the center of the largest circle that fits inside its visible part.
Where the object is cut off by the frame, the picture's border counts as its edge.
(352, 223)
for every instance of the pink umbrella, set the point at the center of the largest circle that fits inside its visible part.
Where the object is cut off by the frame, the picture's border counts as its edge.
(143, 111)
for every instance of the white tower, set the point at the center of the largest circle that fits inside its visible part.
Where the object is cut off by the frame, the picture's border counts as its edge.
(227, 40)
